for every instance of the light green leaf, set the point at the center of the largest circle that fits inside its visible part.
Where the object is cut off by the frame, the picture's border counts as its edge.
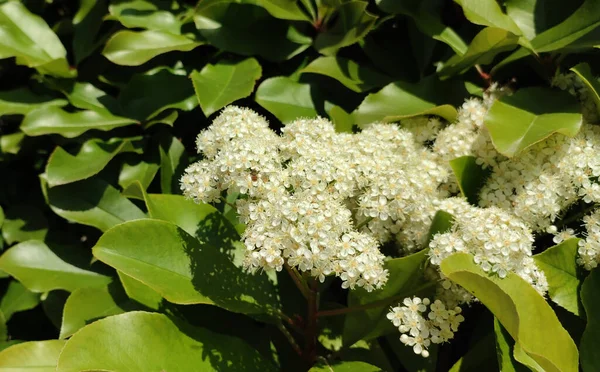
(442, 222)
(354, 366)
(521, 310)
(342, 120)
(3, 330)
(406, 278)
(28, 38)
(218, 85)
(145, 14)
(470, 176)
(535, 16)
(504, 350)
(590, 358)
(488, 13)
(140, 292)
(87, 305)
(86, 25)
(133, 48)
(11, 143)
(352, 23)
(92, 202)
(33, 356)
(593, 84)
(529, 116)
(248, 30)
(559, 263)
(173, 161)
(41, 270)
(154, 100)
(284, 9)
(53, 120)
(92, 157)
(286, 99)
(135, 169)
(488, 43)
(402, 100)
(24, 222)
(160, 344)
(17, 298)
(347, 72)
(86, 96)
(21, 101)
(185, 270)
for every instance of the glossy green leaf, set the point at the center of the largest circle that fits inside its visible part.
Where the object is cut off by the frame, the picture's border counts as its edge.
(248, 29)
(529, 116)
(559, 264)
(133, 48)
(24, 222)
(17, 298)
(353, 366)
(405, 279)
(504, 350)
(592, 83)
(159, 342)
(53, 120)
(154, 100)
(488, 43)
(351, 23)
(470, 176)
(28, 38)
(140, 292)
(488, 13)
(286, 98)
(41, 270)
(86, 25)
(427, 18)
(21, 101)
(87, 96)
(87, 305)
(402, 100)
(173, 161)
(441, 223)
(535, 16)
(347, 72)
(92, 157)
(521, 310)
(342, 120)
(145, 14)
(33, 356)
(284, 9)
(11, 143)
(140, 170)
(590, 359)
(186, 270)
(92, 202)
(218, 85)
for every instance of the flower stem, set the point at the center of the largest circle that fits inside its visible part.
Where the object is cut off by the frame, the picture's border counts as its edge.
(290, 338)
(576, 216)
(310, 334)
(369, 219)
(298, 280)
(380, 303)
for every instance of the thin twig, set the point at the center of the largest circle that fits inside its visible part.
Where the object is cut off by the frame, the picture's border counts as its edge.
(290, 322)
(290, 338)
(297, 280)
(310, 334)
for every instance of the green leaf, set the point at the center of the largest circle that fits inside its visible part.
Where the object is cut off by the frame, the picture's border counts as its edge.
(405, 279)
(488, 13)
(441, 223)
(145, 14)
(284, 9)
(185, 270)
(86, 25)
(41, 270)
(33, 356)
(248, 30)
(353, 366)
(590, 359)
(92, 202)
(28, 38)
(521, 310)
(154, 100)
(86, 96)
(24, 222)
(351, 23)
(92, 157)
(87, 305)
(140, 292)
(286, 99)
(402, 100)
(488, 43)
(347, 72)
(529, 116)
(218, 85)
(21, 101)
(585, 74)
(561, 269)
(173, 161)
(17, 298)
(470, 176)
(160, 343)
(11, 143)
(53, 120)
(133, 48)
(140, 170)
(504, 350)
(535, 16)
(480, 356)
(342, 120)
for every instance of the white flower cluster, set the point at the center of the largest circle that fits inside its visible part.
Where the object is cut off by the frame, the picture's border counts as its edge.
(573, 84)
(420, 331)
(589, 248)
